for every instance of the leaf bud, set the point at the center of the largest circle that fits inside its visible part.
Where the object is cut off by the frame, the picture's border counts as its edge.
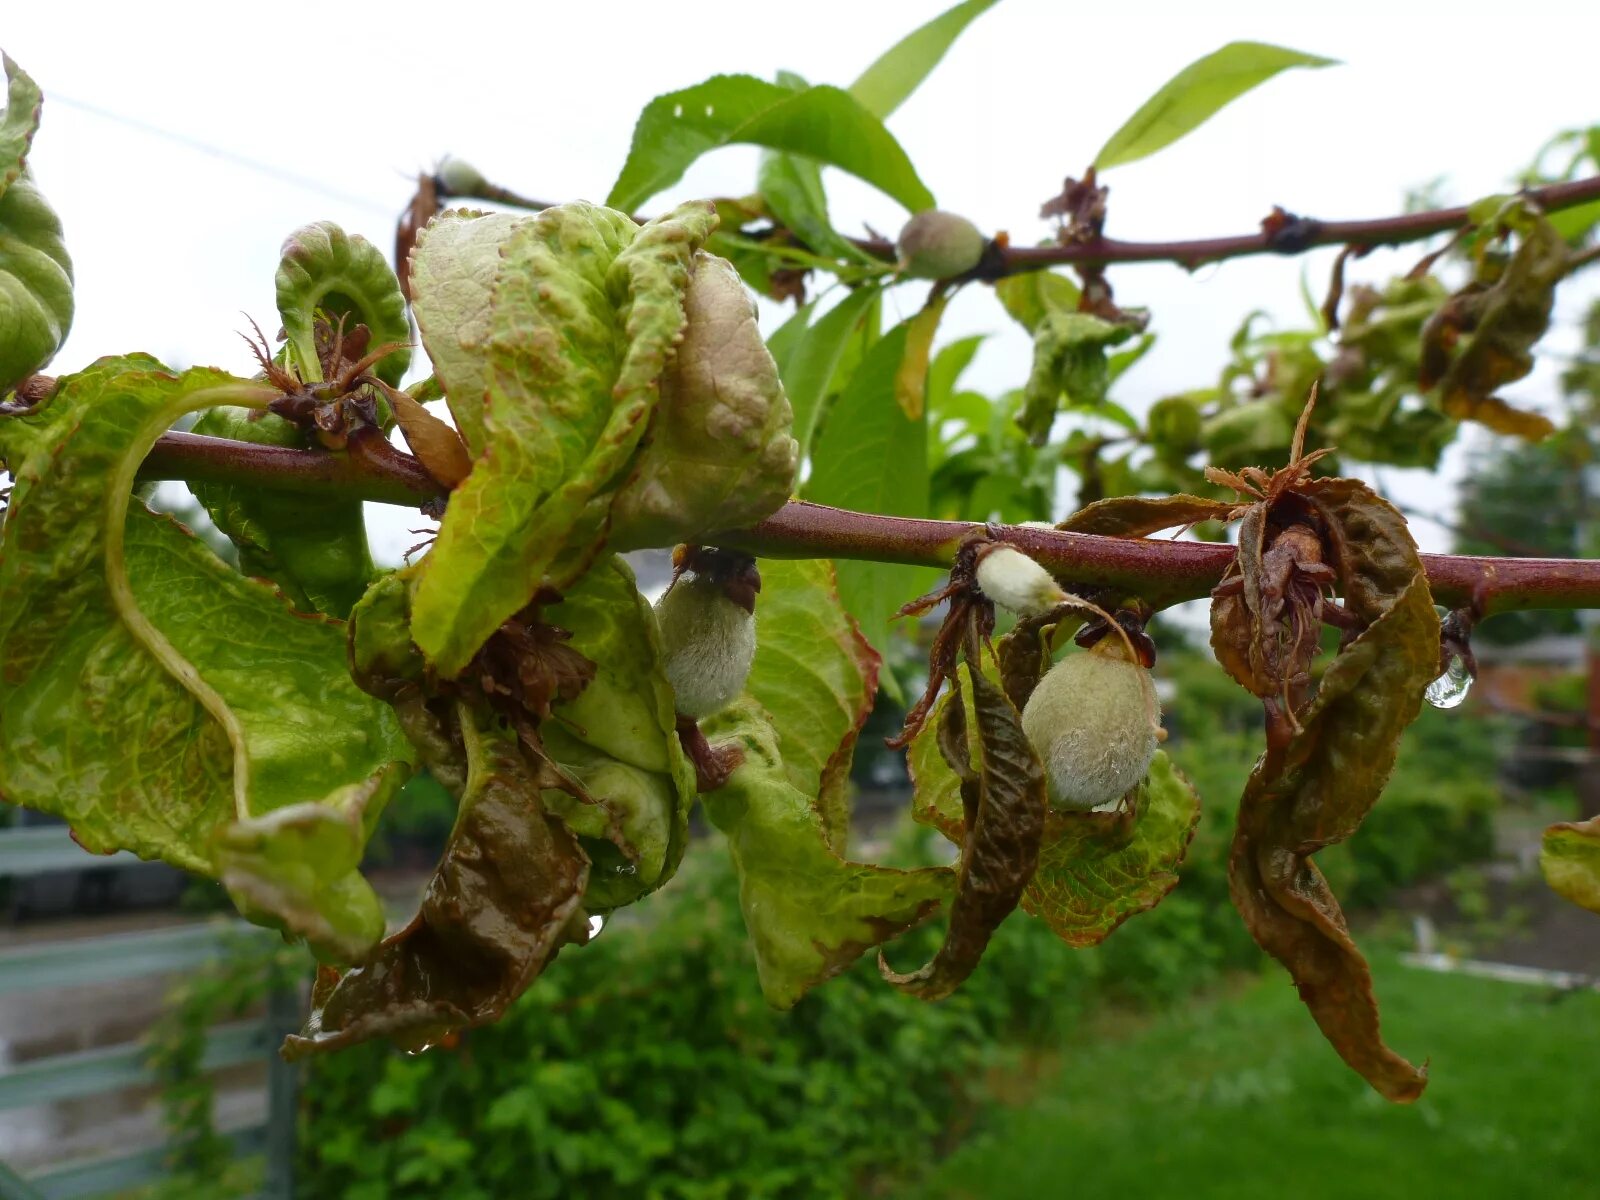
(938, 245)
(708, 632)
(1014, 581)
(1094, 722)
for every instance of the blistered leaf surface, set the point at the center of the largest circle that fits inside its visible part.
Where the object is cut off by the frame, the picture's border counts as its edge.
(324, 269)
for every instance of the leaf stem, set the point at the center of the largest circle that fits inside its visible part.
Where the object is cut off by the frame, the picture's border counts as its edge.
(1161, 571)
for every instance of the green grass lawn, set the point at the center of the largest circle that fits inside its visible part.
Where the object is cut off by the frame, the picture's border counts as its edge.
(1239, 1097)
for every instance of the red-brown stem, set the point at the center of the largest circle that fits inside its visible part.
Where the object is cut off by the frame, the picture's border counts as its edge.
(1160, 571)
(1193, 252)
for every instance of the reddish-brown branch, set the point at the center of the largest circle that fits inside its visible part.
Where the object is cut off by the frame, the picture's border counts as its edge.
(1163, 572)
(1301, 236)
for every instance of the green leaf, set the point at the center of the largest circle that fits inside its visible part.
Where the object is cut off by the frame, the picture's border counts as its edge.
(824, 123)
(1032, 297)
(586, 310)
(160, 701)
(324, 269)
(789, 336)
(1570, 860)
(453, 269)
(809, 913)
(505, 898)
(1069, 358)
(618, 739)
(719, 453)
(816, 677)
(870, 457)
(792, 188)
(900, 70)
(810, 367)
(946, 369)
(1197, 93)
(911, 381)
(314, 549)
(35, 271)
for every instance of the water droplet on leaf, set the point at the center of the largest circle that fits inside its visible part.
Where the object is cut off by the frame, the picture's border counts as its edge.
(1451, 688)
(420, 1050)
(596, 924)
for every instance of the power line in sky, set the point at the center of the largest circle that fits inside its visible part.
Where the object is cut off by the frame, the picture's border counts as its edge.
(228, 156)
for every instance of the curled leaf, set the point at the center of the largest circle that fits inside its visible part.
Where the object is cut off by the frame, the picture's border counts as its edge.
(505, 898)
(1570, 860)
(586, 309)
(1069, 358)
(911, 380)
(435, 443)
(1004, 809)
(35, 271)
(314, 548)
(720, 453)
(343, 276)
(1482, 338)
(160, 701)
(810, 913)
(1314, 790)
(1140, 516)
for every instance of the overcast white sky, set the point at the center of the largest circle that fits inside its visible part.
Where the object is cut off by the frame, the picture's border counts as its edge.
(172, 244)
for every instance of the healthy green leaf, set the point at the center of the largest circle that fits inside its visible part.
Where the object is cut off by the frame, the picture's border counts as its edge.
(1197, 93)
(810, 914)
(900, 70)
(816, 677)
(824, 123)
(326, 270)
(453, 269)
(35, 272)
(160, 701)
(869, 457)
(505, 898)
(811, 366)
(314, 549)
(1570, 860)
(791, 186)
(586, 310)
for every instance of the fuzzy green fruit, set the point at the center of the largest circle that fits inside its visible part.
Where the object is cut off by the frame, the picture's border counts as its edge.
(708, 643)
(1093, 721)
(938, 245)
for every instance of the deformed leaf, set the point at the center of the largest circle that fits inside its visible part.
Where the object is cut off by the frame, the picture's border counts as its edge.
(1197, 93)
(586, 310)
(816, 677)
(326, 270)
(1033, 296)
(719, 453)
(810, 913)
(453, 269)
(618, 740)
(900, 69)
(1316, 790)
(1069, 358)
(1004, 810)
(824, 123)
(35, 271)
(314, 548)
(1140, 516)
(505, 898)
(911, 381)
(160, 701)
(1570, 860)
(1483, 337)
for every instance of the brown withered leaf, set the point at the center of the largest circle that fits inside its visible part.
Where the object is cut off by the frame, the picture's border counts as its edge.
(1140, 516)
(504, 899)
(1316, 791)
(1004, 805)
(1482, 338)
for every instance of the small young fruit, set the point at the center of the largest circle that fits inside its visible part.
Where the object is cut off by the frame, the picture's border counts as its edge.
(708, 641)
(1093, 721)
(1014, 581)
(460, 178)
(938, 245)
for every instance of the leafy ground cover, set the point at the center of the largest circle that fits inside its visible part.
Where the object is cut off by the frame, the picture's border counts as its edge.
(1232, 1097)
